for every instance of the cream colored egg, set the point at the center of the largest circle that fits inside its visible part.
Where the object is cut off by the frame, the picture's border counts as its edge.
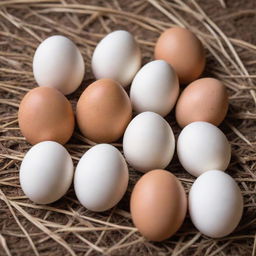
(148, 142)
(155, 88)
(58, 63)
(46, 172)
(101, 178)
(202, 146)
(215, 204)
(117, 56)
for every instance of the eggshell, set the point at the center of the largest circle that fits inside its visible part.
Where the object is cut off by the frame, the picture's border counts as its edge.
(158, 205)
(183, 50)
(103, 111)
(46, 114)
(155, 88)
(58, 63)
(205, 99)
(215, 204)
(101, 178)
(201, 147)
(46, 172)
(117, 56)
(148, 142)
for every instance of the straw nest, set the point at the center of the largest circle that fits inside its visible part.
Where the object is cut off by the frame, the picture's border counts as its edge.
(67, 228)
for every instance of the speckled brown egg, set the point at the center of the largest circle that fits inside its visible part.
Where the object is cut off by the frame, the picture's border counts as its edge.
(103, 111)
(205, 99)
(46, 114)
(158, 205)
(183, 50)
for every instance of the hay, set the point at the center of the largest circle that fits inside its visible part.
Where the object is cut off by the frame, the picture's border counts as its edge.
(65, 227)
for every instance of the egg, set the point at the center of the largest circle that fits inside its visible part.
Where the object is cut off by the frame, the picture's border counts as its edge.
(148, 142)
(46, 172)
(205, 99)
(183, 50)
(59, 64)
(215, 204)
(103, 111)
(101, 178)
(158, 205)
(155, 88)
(46, 114)
(201, 146)
(117, 56)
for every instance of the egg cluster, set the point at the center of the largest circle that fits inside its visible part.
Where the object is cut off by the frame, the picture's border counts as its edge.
(104, 114)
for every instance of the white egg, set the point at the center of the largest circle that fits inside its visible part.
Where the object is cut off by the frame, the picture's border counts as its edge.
(117, 56)
(101, 178)
(46, 172)
(58, 63)
(215, 204)
(155, 88)
(148, 142)
(201, 147)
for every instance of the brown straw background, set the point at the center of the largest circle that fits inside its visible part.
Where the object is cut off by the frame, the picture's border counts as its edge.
(228, 32)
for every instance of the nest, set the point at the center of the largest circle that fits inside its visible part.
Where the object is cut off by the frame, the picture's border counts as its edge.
(65, 227)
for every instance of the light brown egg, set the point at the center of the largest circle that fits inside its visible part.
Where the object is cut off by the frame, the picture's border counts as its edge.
(205, 99)
(183, 50)
(158, 205)
(103, 111)
(46, 114)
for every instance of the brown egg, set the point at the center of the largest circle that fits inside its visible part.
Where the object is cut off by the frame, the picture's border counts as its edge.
(183, 50)
(46, 114)
(205, 99)
(158, 205)
(103, 111)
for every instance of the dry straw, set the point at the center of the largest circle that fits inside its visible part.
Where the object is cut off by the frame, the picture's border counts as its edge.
(65, 227)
